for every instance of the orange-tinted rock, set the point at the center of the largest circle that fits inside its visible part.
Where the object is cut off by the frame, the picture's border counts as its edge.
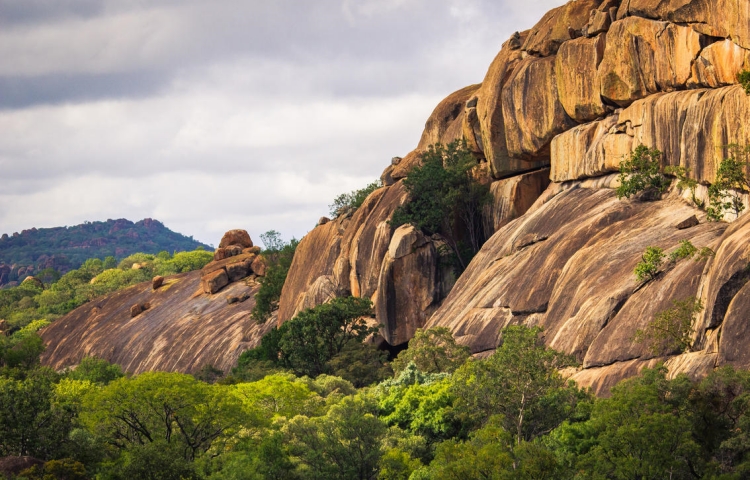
(236, 237)
(555, 26)
(214, 281)
(577, 81)
(259, 266)
(408, 285)
(717, 18)
(512, 197)
(252, 250)
(644, 57)
(222, 264)
(135, 310)
(157, 282)
(239, 270)
(489, 111)
(719, 64)
(532, 110)
(446, 122)
(181, 332)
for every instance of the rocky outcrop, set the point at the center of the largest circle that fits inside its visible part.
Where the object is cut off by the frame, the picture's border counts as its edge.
(183, 330)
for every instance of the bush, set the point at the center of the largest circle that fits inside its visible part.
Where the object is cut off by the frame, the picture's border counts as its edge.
(432, 351)
(445, 199)
(744, 78)
(352, 200)
(723, 194)
(649, 265)
(684, 182)
(671, 330)
(278, 256)
(685, 250)
(640, 173)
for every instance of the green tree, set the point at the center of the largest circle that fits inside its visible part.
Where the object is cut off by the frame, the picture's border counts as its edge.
(651, 261)
(344, 444)
(744, 79)
(521, 382)
(353, 200)
(434, 351)
(685, 250)
(361, 364)
(278, 256)
(724, 194)
(316, 335)
(168, 408)
(641, 173)
(96, 370)
(444, 198)
(685, 182)
(671, 331)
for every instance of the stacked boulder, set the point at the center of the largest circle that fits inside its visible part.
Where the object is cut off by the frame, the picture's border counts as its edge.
(235, 259)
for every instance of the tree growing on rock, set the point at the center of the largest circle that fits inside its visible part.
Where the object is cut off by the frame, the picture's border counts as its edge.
(642, 173)
(444, 198)
(671, 330)
(278, 255)
(651, 261)
(724, 194)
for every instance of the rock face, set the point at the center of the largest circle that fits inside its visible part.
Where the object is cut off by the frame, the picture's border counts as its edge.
(183, 330)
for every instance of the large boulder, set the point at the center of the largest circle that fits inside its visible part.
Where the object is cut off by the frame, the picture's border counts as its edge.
(512, 197)
(532, 109)
(644, 56)
(236, 237)
(580, 92)
(559, 25)
(214, 281)
(718, 65)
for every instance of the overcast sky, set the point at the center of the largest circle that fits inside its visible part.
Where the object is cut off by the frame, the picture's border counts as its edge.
(219, 114)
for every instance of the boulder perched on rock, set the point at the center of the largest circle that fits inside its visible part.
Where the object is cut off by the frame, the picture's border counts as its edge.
(157, 282)
(214, 281)
(236, 237)
(259, 266)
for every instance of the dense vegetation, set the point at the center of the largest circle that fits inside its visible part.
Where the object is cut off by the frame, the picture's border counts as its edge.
(279, 256)
(445, 199)
(34, 301)
(65, 248)
(509, 416)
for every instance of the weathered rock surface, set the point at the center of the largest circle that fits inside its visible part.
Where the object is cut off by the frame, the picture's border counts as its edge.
(689, 127)
(183, 330)
(513, 196)
(215, 281)
(577, 81)
(532, 109)
(644, 57)
(236, 237)
(718, 65)
(567, 265)
(556, 26)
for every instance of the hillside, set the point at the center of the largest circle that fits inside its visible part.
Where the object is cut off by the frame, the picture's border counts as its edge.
(66, 248)
(561, 106)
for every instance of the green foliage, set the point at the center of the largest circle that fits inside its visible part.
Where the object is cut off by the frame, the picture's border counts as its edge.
(744, 79)
(316, 335)
(342, 445)
(651, 261)
(685, 250)
(165, 408)
(347, 202)
(445, 199)
(641, 173)
(96, 370)
(61, 249)
(685, 182)
(671, 331)
(29, 422)
(724, 194)
(65, 469)
(521, 382)
(360, 364)
(279, 395)
(278, 256)
(434, 351)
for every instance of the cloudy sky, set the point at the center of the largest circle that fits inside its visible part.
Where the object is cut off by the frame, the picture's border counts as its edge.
(218, 114)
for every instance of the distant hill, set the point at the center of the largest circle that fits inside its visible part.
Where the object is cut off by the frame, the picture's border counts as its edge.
(66, 248)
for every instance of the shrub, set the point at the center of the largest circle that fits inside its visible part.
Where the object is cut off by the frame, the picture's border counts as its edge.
(744, 78)
(641, 173)
(684, 182)
(444, 198)
(671, 330)
(724, 194)
(685, 250)
(432, 351)
(352, 200)
(278, 256)
(649, 265)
